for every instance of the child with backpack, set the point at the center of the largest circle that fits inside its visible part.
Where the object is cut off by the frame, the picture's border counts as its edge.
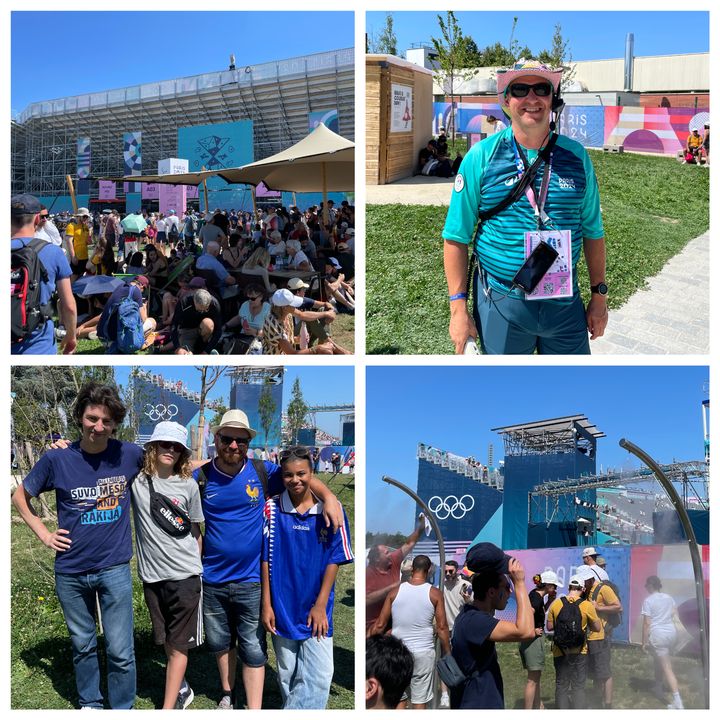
(167, 512)
(569, 618)
(300, 560)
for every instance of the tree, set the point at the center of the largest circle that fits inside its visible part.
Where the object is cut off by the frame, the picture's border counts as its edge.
(42, 401)
(386, 42)
(559, 55)
(267, 409)
(208, 378)
(454, 59)
(297, 411)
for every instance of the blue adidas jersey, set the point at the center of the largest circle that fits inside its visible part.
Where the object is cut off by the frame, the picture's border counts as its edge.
(298, 548)
(486, 176)
(232, 506)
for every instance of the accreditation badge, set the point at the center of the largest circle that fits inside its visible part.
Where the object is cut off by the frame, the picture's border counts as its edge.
(558, 280)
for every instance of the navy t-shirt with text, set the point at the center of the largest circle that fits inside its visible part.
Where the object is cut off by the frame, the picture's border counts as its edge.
(93, 502)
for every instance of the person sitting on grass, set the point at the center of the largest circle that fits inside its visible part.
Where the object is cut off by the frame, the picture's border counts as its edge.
(157, 266)
(278, 333)
(388, 670)
(196, 324)
(337, 289)
(252, 313)
(169, 549)
(299, 563)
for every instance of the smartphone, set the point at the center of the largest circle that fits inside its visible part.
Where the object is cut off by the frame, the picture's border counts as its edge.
(534, 268)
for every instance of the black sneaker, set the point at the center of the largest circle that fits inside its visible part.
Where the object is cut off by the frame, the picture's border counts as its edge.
(184, 698)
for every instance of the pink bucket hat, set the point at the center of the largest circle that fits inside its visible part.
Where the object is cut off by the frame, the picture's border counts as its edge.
(527, 67)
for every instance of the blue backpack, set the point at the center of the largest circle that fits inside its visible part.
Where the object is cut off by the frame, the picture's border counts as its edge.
(130, 335)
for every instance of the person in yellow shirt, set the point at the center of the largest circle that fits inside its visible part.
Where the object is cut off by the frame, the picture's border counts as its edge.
(78, 234)
(606, 604)
(571, 662)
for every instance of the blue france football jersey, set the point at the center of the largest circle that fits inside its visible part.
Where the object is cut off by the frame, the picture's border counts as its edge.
(298, 548)
(233, 510)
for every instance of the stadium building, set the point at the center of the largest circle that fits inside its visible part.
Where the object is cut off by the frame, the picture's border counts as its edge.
(219, 119)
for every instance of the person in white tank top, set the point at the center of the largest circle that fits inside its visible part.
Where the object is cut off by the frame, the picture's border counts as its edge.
(413, 607)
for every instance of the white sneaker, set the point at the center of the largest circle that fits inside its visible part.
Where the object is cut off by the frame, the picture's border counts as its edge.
(225, 703)
(444, 700)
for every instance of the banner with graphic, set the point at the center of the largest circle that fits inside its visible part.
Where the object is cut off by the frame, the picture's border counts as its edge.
(213, 147)
(132, 158)
(83, 157)
(329, 118)
(107, 190)
(644, 129)
(150, 191)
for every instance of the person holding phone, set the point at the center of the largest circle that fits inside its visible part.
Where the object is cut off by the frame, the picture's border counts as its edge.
(562, 197)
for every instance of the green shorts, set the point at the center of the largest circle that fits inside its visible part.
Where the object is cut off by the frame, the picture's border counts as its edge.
(532, 653)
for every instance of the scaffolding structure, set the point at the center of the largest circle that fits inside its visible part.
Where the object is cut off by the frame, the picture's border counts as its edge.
(566, 434)
(460, 465)
(276, 96)
(257, 375)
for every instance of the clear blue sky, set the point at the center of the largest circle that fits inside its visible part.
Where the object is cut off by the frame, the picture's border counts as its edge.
(657, 408)
(320, 386)
(129, 48)
(592, 35)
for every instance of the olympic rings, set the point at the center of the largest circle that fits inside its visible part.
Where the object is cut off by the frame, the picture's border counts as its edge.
(442, 509)
(160, 411)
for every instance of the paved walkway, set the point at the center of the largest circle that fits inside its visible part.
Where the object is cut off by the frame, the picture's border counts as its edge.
(670, 316)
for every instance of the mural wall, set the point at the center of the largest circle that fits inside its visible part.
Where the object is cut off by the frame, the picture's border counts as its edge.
(646, 129)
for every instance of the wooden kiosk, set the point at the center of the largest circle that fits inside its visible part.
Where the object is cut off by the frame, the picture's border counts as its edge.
(398, 117)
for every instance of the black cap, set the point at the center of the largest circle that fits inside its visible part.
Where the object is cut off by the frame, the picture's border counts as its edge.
(486, 556)
(24, 205)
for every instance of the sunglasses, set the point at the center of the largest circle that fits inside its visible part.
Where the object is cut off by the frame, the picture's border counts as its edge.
(254, 297)
(521, 90)
(296, 451)
(44, 217)
(175, 447)
(229, 440)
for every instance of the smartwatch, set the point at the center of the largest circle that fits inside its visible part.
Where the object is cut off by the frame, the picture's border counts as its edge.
(600, 288)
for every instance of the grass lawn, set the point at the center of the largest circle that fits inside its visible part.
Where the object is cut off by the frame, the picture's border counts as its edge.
(633, 679)
(652, 207)
(343, 332)
(41, 659)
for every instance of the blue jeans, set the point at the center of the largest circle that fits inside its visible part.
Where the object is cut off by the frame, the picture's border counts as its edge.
(76, 593)
(231, 612)
(305, 670)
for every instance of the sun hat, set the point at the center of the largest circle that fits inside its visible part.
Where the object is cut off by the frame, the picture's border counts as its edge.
(284, 297)
(334, 262)
(600, 560)
(169, 431)
(507, 76)
(234, 419)
(197, 282)
(82, 212)
(297, 284)
(589, 552)
(550, 578)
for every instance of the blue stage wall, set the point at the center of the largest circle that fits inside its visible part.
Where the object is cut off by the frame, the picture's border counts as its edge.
(246, 397)
(522, 473)
(438, 482)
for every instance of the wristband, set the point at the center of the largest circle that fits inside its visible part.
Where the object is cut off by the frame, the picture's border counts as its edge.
(459, 296)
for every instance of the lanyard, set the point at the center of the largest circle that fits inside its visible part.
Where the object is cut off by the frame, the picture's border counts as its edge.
(537, 203)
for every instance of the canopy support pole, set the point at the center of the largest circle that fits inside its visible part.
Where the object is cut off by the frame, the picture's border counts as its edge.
(326, 212)
(71, 187)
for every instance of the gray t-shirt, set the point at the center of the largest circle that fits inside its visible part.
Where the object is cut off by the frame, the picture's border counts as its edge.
(161, 556)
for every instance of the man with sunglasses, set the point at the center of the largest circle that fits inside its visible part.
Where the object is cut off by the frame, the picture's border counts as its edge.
(560, 206)
(233, 492)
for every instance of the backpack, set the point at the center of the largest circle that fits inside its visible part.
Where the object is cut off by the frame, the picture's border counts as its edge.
(614, 619)
(260, 471)
(569, 633)
(173, 233)
(130, 336)
(26, 275)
